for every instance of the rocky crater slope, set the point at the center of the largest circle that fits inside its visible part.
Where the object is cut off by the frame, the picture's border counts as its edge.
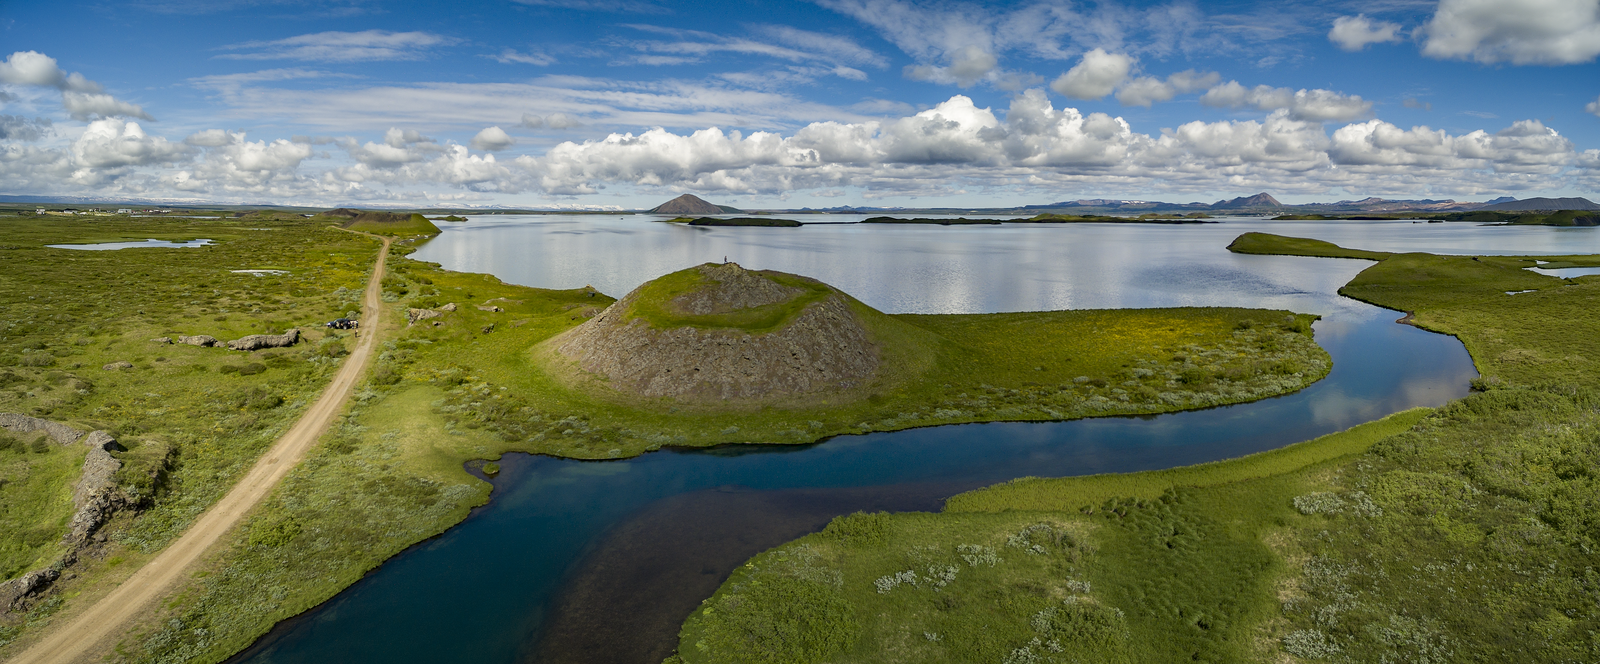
(719, 332)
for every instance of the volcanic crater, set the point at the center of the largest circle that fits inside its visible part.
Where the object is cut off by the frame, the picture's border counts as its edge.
(720, 332)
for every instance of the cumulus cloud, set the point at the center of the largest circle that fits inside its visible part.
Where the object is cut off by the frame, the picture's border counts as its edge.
(113, 143)
(368, 45)
(1147, 90)
(18, 128)
(1522, 32)
(493, 139)
(1593, 107)
(1353, 33)
(1310, 105)
(82, 98)
(1095, 75)
(37, 69)
(956, 145)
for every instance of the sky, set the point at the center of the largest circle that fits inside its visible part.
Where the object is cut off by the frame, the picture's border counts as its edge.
(627, 103)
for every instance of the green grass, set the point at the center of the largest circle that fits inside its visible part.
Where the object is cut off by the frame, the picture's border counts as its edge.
(1266, 243)
(654, 303)
(1461, 534)
(193, 419)
(36, 478)
(415, 225)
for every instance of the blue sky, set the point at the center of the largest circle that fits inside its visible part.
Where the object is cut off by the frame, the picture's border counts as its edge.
(599, 103)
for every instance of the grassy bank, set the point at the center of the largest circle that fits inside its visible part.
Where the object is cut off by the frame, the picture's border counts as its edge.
(193, 418)
(1464, 534)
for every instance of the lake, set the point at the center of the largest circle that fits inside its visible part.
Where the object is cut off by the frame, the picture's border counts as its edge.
(599, 561)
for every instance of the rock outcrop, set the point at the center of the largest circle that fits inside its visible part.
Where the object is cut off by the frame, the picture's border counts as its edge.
(14, 591)
(58, 432)
(414, 315)
(260, 341)
(95, 497)
(199, 340)
(823, 347)
(119, 364)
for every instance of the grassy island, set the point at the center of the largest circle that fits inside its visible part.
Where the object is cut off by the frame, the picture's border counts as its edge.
(735, 221)
(1463, 533)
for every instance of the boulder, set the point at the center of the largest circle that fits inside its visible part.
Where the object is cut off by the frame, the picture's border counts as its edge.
(199, 340)
(414, 315)
(490, 308)
(58, 432)
(162, 340)
(120, 364)
(448, 307)
(260, 341)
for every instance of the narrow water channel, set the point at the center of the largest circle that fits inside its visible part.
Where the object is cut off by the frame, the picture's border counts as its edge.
(600, 561)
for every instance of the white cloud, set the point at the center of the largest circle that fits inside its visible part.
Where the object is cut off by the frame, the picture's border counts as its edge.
(556, 121)
(37, 69)
(967, 66)
(331, 46)
(1593, 107)
(841, 49)
(493, 139)
(510, 55)
(18, 128)
(210, 138)
(112, 143)
(1525, 147)
(1146, 90)
(1353, 33)
(1310, 105)
(1095, 75)
(82, 98)
(1550, 32)
(86, 105)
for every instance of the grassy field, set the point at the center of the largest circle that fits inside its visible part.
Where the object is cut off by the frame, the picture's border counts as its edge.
(193, 418)
(466, 386)
(1462, 534)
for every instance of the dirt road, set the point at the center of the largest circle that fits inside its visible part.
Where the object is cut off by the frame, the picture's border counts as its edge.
(97, 629)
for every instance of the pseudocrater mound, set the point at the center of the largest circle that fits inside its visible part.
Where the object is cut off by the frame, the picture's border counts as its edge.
(719, 331)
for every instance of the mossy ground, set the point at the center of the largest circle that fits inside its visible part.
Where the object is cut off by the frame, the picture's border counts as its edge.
(1464, 534)
(196, 416)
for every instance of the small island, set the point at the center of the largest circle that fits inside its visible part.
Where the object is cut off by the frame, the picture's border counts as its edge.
(734, 221)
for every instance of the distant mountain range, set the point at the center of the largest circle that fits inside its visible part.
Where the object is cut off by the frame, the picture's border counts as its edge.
(689, 204)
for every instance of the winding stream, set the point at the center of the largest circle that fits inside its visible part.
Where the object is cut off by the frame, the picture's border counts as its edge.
(600, 561)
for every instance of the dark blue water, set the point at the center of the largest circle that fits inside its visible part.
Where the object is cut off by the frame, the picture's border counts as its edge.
(600, 561)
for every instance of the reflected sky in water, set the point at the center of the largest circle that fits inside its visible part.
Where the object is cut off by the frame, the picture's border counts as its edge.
(975, 269)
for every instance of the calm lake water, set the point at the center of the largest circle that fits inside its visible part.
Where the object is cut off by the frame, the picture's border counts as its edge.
(600, 561)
